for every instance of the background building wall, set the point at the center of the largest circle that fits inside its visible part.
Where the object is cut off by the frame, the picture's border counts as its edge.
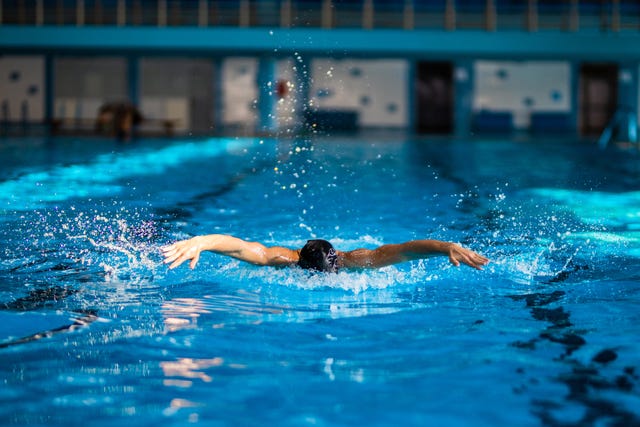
(83, 84)
(185, 89)
(178, 90)
(22, 88)
(239, 92)
(376, 89)
(522, 88)
(287, 91)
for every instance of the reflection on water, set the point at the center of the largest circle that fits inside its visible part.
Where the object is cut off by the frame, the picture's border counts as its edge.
(182, 313)
(179, 404)
(189, 369)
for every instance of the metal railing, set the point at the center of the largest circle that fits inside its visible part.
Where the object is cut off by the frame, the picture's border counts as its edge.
(490, 15)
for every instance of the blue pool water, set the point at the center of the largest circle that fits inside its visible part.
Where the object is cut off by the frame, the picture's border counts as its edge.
(94, 329)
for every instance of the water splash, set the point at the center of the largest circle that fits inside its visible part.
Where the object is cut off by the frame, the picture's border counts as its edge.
(238, 274)
(107, 244)
(129, 255)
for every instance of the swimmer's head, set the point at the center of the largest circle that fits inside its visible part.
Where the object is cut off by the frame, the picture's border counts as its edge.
(319, 255)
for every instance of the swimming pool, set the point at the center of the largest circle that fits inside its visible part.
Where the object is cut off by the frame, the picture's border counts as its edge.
(93, 328)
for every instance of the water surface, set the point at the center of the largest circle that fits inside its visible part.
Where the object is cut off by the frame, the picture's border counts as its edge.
(94, 327)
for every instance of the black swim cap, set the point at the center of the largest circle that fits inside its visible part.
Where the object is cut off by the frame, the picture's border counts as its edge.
(319, 255)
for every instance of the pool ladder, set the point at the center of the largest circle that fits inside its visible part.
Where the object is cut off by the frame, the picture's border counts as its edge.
(623, 126)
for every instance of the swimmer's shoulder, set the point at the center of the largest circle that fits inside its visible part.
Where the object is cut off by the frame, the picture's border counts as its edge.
(357, 258)
(282, 257)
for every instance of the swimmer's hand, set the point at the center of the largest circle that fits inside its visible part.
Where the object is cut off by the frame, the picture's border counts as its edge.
(184, 250)
(458, 254)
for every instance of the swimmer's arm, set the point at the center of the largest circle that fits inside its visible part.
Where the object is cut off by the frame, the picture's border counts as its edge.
(252, 252)
(408, 251)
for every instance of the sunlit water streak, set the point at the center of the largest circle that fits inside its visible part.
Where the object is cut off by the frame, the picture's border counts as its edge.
(103, 175)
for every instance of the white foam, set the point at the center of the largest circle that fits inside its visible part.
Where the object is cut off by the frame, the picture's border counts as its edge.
(350, 281)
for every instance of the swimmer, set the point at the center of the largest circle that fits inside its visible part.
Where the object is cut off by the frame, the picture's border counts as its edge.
(318, 255)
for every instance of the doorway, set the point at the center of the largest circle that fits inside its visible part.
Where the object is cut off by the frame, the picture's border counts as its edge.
(434, 97)
(598, 97)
